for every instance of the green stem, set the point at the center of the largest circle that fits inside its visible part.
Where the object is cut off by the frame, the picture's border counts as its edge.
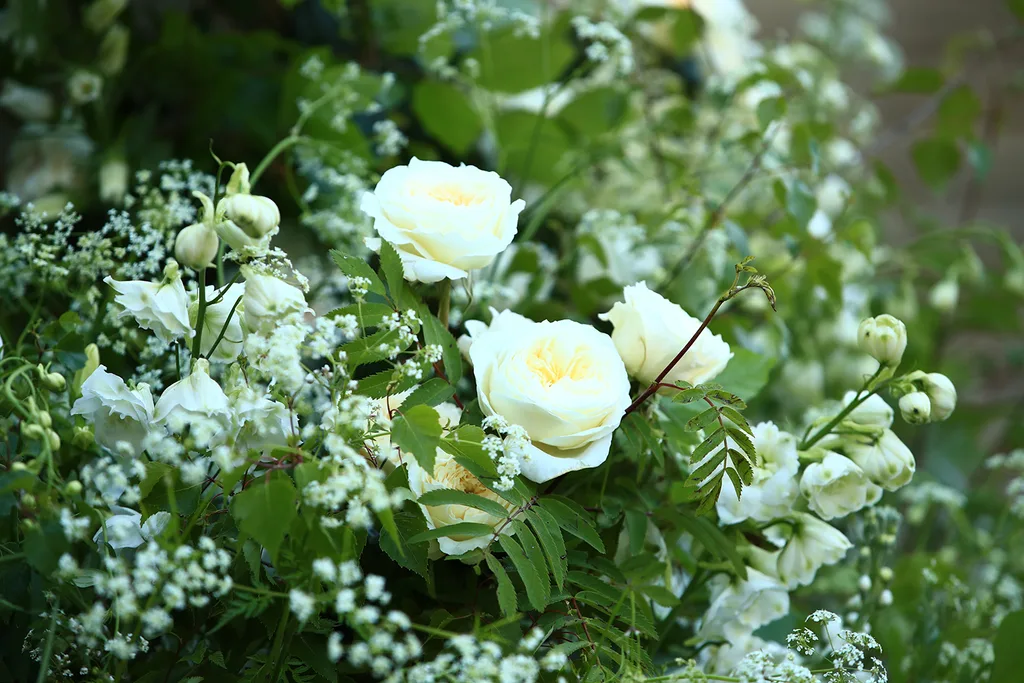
(224, 328)
(857, 400)
(197, 342)
(271, 155)
(275, 654)
(445, 304)
(44, 663)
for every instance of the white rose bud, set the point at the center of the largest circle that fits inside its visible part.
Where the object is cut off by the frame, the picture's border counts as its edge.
(836, 486)
(944, 295)
(874, 412)
(563, 382)
(443, 221)
(255, 215)
(886, 460)
(942, 394)
(884, 338)
(916, 407)
(196, 246)
(84, 87)
(650, 330)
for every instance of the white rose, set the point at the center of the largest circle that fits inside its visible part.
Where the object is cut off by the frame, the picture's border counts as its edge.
(916, 407)
(739, 607)
(449, 474)
(196, 401)
(885, 460)
(158, 306)
(942, 394)
(774, 489)
(216, 317)
(874, 412)
(836, 486)
(884, 337)
(120, 416)
(811, 545)
(268, 300)
(650, 330)
(563, 382)
(443, 221)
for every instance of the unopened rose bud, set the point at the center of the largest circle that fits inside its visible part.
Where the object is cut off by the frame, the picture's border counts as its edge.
(942, 393)
(43, 419)
(196, 246)
(255, 215)
(83, 437)
(916, 407)
(884, 338)
(885, 574)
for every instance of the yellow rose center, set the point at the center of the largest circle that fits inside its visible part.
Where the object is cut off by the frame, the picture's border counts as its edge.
(550, 367)
(452, 194)
(454, 476)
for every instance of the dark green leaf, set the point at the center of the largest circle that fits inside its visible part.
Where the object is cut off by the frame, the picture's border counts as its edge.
(506, 591)
(550, 537)
(536, 587)
(660, 595)
(353, 266)
(411, 556)
(436, 333)
(936, 159)
(374, 348)
(385, 383)
(368, 314)
(736, 482)
(572, 521)
(746, 374)
(737, 418)
(744, 442)
(514, 63)
(394, 273)
(535, 554)
(452, 497)
(446, 114)
(467, 529)
(959, 112)
(266, 509)
(688, 395)
(702, 420)
(707, 468)
(918, 80)
(418, 431)
(432, 392)
(636, 525)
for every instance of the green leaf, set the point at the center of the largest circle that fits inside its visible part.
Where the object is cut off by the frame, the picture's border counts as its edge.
(709, 492)
(688, 395)
(411, 556)
(394, 273)
(707, 445)
(1009, 655)
(707, 468)
(418, 431)
(387, 520)
(737, 418)
(737, 483)
(571, 520)
(376, 347)
(266, 509)
(535, 554)
(770, 110)
(368, 314)
(1017, 7)
(595, 111)
(660, 595)
(702, 420)
(919, 80)
(511, 63)
(452, 497)
(353, 266)
(936, 159)
(636, 525)
(959, 112)
(711, 537)
(743, 466)
(432, 392)
(436, 333)
(550, 537)
(744, 442)
(537, 590)
(506, 591)
(746, 374)
(384, 383)
(466, 529)
(447, 115)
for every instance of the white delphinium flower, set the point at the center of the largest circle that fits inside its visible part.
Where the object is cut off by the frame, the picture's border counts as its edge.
(253, 215)
(774, 488)
(158, 306)
(809, 545)
(884, 459)
(740, 607)
(836, 486)
(121, 417)
(196, 401)
(269, 300)
(216, 317)
(125, 529)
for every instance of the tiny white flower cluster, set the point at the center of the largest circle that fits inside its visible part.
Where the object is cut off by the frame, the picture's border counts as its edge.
(506, 449)
(390, 140)
(332, 199)
(1012, 462)
(606, 43)
(626, 257)
(483, 15)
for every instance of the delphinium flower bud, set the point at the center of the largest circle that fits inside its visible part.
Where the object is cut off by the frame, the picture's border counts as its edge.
(916, 407)
(255, 215)
(196, 246)
(942, 393)
(884, 337)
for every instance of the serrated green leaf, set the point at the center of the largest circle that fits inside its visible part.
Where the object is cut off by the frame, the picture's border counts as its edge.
(368, 314)
(737, 418)
(636, 526)
(725, 397)
(265, 510)
(702, 420)
(434, 391)
(709, 492)
(418, 431)
(506, 591)
(744, 442)
(452, 497)
(535, 554)
(568, 518)
(376, 347)
(387, 520)
(536, 588)
(384, 383)
(660, 595)
(436, 333)
(707, 445)
(743, 466)
(688, 395)
(412, 556)
(466, 529)
(706, 469)
(737, 484)
(550, 537)
(394, 273)
(353, 266)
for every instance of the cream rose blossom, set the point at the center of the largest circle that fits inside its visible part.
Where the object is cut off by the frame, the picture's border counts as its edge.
(443, 221)
(650, 330)
(563, 382)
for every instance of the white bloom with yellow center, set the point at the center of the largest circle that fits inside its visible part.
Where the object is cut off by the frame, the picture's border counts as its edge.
(450, 475)
(650, 330)
(563, 382)
(443, 221)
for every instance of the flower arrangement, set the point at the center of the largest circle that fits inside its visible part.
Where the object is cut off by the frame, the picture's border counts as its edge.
(474, 375)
